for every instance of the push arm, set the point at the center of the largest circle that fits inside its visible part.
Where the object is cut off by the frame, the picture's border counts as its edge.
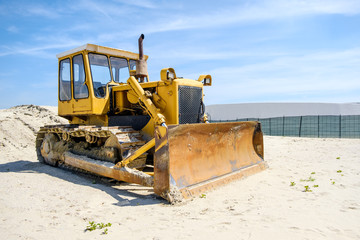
(149, 106)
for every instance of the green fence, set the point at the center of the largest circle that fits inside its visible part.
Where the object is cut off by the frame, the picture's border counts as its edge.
(309, 126)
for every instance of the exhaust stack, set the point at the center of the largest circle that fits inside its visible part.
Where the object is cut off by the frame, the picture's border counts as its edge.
(141, 65)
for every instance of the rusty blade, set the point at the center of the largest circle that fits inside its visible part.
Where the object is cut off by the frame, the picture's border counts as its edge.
(193, 158)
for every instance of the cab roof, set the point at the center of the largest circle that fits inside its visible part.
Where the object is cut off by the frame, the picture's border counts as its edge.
(100, 49)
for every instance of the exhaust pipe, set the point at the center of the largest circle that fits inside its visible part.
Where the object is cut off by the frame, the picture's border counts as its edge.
(141, 65)
(141, 52)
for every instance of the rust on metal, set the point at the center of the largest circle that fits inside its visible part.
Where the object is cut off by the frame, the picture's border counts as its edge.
(198, 157)
(161, 163)
(188, 159)
(108, 170)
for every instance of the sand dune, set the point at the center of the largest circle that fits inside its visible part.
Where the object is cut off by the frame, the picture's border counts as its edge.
(41, 202)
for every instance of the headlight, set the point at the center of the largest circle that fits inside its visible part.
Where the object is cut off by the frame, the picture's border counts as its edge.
(170, 75)
(205, 79)
(167, 74)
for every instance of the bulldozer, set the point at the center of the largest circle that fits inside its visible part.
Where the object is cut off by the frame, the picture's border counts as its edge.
(153, 133)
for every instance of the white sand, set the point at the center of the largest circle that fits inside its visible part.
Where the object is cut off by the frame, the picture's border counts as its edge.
(41, 202)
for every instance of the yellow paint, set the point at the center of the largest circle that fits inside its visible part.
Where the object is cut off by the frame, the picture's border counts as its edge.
(161, 97)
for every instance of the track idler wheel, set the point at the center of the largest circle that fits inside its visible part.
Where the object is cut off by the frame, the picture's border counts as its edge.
(47, 149)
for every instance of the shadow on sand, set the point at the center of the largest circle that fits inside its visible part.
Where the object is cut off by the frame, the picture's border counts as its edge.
(126, 194)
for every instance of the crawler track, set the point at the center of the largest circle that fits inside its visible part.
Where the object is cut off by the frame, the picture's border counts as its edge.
(111, 144)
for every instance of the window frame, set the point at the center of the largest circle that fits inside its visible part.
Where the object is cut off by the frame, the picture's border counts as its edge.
(59, 81)
(91, 72)
(73, 76)
(128, 68)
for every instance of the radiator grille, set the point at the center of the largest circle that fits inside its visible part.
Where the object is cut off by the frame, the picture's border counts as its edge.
(189, 104)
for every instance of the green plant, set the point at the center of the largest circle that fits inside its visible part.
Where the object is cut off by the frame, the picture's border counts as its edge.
(332, 181)
(338, 158)
(313, 173)
(203, 195)
(316, 185)
(93, 226)
(338, 171)
(292, 184)
(310, 179)
(307, 189)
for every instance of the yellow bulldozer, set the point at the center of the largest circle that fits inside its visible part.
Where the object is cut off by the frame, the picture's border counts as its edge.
(125, 127)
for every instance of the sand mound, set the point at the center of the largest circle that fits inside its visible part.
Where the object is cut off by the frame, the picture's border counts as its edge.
(38, 201)
(18, 126)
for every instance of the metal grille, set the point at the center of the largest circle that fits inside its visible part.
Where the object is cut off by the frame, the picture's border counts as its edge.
(189, 104)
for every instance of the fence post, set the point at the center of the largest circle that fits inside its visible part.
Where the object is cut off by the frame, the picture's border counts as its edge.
(340, 126)
(318, 126)
(300, 126)
(283, 126)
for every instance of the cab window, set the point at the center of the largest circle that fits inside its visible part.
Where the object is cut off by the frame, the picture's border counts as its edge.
(100, 73)
(132, 65)
(80, 87)
(120, 69)
(64, 80)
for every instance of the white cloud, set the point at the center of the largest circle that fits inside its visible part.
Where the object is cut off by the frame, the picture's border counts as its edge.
(325, 75)
(139, 3)
(42, 51)
(12, 29)
(254, 11)
(95, 7)
(189, 53)
(42, 11)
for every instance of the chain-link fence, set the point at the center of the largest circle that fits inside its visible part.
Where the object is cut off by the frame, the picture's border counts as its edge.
(309, 126)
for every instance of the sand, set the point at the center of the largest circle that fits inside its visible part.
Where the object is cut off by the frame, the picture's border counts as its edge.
(42, 202)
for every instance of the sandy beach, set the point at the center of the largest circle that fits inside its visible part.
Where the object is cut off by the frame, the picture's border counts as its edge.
(311, 190)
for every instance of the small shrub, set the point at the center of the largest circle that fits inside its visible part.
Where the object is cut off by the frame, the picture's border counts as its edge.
(310, 179)
(93, 226)
(307, 189)
(292, 184)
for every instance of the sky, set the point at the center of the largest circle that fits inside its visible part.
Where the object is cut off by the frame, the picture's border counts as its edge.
(255, 51)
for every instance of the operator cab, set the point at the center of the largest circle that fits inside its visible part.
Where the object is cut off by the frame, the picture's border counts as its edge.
(85, 75)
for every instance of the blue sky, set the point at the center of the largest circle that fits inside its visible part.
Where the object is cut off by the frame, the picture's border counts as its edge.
(256, 51)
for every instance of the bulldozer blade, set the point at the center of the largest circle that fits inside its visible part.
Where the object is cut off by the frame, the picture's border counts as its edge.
(193, 158)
